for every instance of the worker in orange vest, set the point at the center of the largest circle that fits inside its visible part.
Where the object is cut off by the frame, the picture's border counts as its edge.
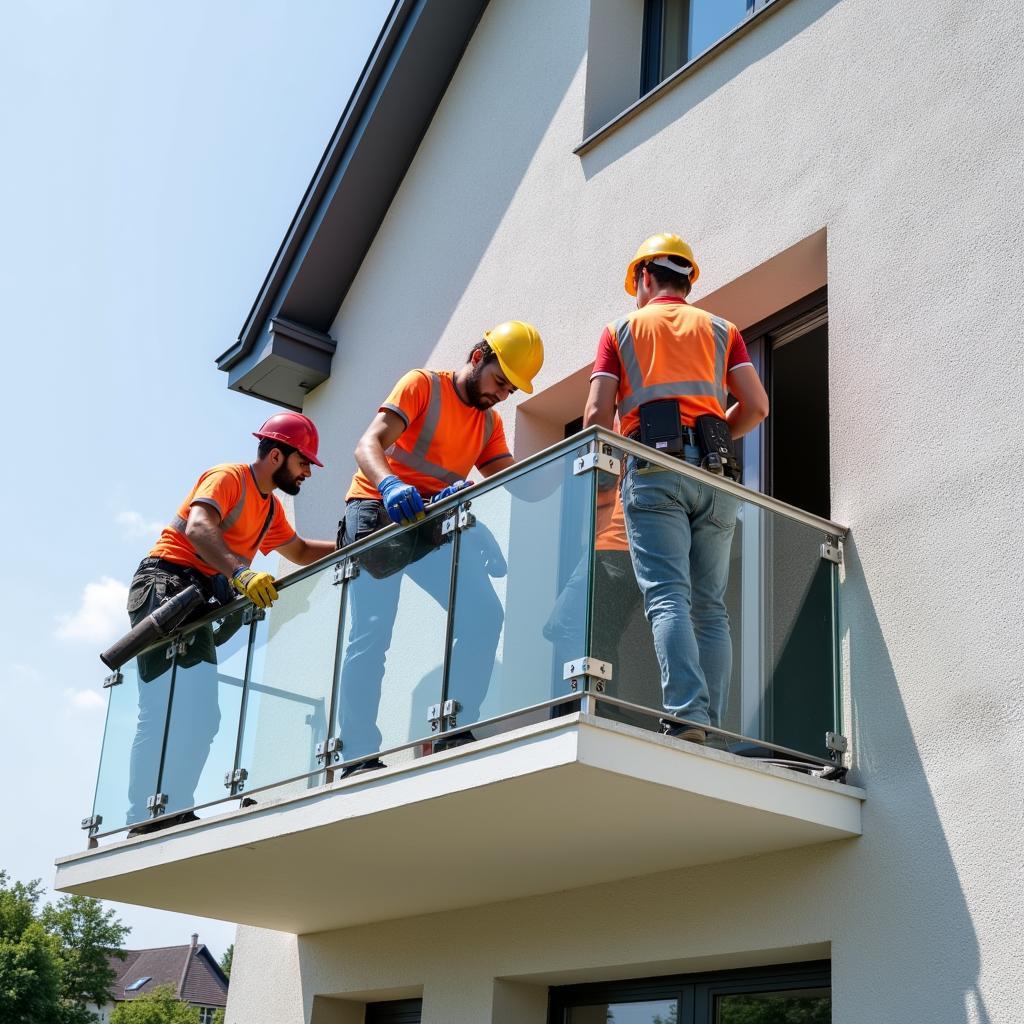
(229, 515)
(426, 437)
(667, 369)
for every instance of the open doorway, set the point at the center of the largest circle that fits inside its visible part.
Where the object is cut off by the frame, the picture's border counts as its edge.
(781, 598)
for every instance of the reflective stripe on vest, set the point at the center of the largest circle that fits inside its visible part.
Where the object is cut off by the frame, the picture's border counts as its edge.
(417, 458)
(178, 524)
(641, 393)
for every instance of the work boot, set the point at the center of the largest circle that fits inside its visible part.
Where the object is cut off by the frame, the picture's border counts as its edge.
(458, 739)
(159, 824)
(361, 766)
(690, 733)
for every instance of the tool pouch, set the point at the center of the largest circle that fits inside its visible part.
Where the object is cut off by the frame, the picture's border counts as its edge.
(661, 427)
(717, 448)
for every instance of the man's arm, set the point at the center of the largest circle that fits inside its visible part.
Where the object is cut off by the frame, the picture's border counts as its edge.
(496, 465)
(600, 407)
(204, 533)
(384, 430)
(751, 401)
(303, 552)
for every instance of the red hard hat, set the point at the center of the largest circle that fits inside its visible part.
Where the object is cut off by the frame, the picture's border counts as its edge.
(295, 430)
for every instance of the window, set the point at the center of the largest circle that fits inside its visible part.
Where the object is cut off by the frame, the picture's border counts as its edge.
(678, 31)
(206, 1014)
(137, 984)
(793, 994)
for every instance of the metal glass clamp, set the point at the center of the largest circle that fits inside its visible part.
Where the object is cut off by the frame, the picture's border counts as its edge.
(253, 614)
(443, 716)
(92, 823)
(832, 551)
(114, 679)
(238, 776)
(329, 749)
(156, 803)
(346, 569)
(836, 742)
(596, 460)
(588, 673)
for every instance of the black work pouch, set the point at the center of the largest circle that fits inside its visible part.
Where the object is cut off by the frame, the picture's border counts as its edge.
(717, 449)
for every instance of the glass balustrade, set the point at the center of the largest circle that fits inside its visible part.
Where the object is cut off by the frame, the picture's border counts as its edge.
(521, 589)
(287, 700)
(429, 636)
(392, 657)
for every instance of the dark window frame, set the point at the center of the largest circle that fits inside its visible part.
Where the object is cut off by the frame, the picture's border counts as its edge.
(695, 993)
(652, 74)
(395, 1011)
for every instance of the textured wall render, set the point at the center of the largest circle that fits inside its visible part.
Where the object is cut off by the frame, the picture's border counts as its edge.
(897, 128)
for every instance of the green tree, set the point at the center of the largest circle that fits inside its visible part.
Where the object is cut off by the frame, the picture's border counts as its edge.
(86, 936)
(157, 1007)
(28, 975)
(225, 960)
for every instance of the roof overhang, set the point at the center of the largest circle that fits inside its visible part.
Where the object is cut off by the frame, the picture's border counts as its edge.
(284, 349)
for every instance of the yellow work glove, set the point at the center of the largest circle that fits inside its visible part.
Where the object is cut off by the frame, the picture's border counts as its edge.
(257, 586)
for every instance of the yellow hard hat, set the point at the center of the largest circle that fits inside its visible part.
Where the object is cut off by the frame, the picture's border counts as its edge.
(660, 245)
(519, 350)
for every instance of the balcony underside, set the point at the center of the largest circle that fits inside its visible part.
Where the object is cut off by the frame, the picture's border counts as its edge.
(567, 803)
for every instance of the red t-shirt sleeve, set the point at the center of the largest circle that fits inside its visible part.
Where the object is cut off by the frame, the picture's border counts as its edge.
(738, 355)
(280, 532)
(409, 396)
(496, 447)
(607, 362)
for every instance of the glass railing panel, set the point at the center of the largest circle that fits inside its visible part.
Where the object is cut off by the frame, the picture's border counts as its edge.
(132, 741)
(206, 698)
(761, 625)
(522, 585)
(286, 705)
(392, 654)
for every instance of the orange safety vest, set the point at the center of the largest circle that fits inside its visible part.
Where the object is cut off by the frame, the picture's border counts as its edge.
(439, 447)
(672, 350)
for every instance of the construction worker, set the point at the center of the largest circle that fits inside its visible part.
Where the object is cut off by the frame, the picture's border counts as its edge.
(229, 515)
(427, 435)
(680, 530)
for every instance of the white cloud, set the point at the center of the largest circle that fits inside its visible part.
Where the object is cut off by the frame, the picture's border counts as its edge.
(85, 700)
(136, 526)
(101, 617)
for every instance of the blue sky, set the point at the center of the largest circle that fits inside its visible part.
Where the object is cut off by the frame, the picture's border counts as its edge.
(153, 156)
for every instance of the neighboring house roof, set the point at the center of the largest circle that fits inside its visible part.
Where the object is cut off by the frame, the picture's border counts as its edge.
(191, 970)
(284, 350)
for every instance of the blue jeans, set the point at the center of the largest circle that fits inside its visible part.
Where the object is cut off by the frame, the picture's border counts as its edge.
(680, 536)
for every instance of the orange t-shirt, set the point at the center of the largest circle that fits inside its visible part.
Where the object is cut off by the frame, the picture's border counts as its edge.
(231, 490)
(444, 438)
(611, 523)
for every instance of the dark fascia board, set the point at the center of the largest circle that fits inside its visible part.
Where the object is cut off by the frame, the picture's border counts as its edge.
(386, 117)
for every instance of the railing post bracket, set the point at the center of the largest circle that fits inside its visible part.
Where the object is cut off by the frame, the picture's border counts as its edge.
(116, 678)
(832, 550)
(587, 674)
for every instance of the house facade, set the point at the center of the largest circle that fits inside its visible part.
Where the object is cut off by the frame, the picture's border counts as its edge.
(848, 174)
(191, 971)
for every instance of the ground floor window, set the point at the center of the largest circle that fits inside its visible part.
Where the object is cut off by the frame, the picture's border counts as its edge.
(793, 994)
(206, 1014)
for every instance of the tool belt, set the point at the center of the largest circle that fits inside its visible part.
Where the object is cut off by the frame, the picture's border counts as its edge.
(707, 444)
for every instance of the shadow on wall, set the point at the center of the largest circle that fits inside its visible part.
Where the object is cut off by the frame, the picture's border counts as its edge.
(771, 32)
(463, 179)
(914, 908)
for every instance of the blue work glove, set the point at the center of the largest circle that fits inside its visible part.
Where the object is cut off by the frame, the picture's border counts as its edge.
(402, 501)
(449, 490)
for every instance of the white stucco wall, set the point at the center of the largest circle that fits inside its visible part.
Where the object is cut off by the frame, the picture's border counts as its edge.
(896, 128)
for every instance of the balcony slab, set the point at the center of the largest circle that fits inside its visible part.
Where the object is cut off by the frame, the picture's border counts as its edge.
(557, 805)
